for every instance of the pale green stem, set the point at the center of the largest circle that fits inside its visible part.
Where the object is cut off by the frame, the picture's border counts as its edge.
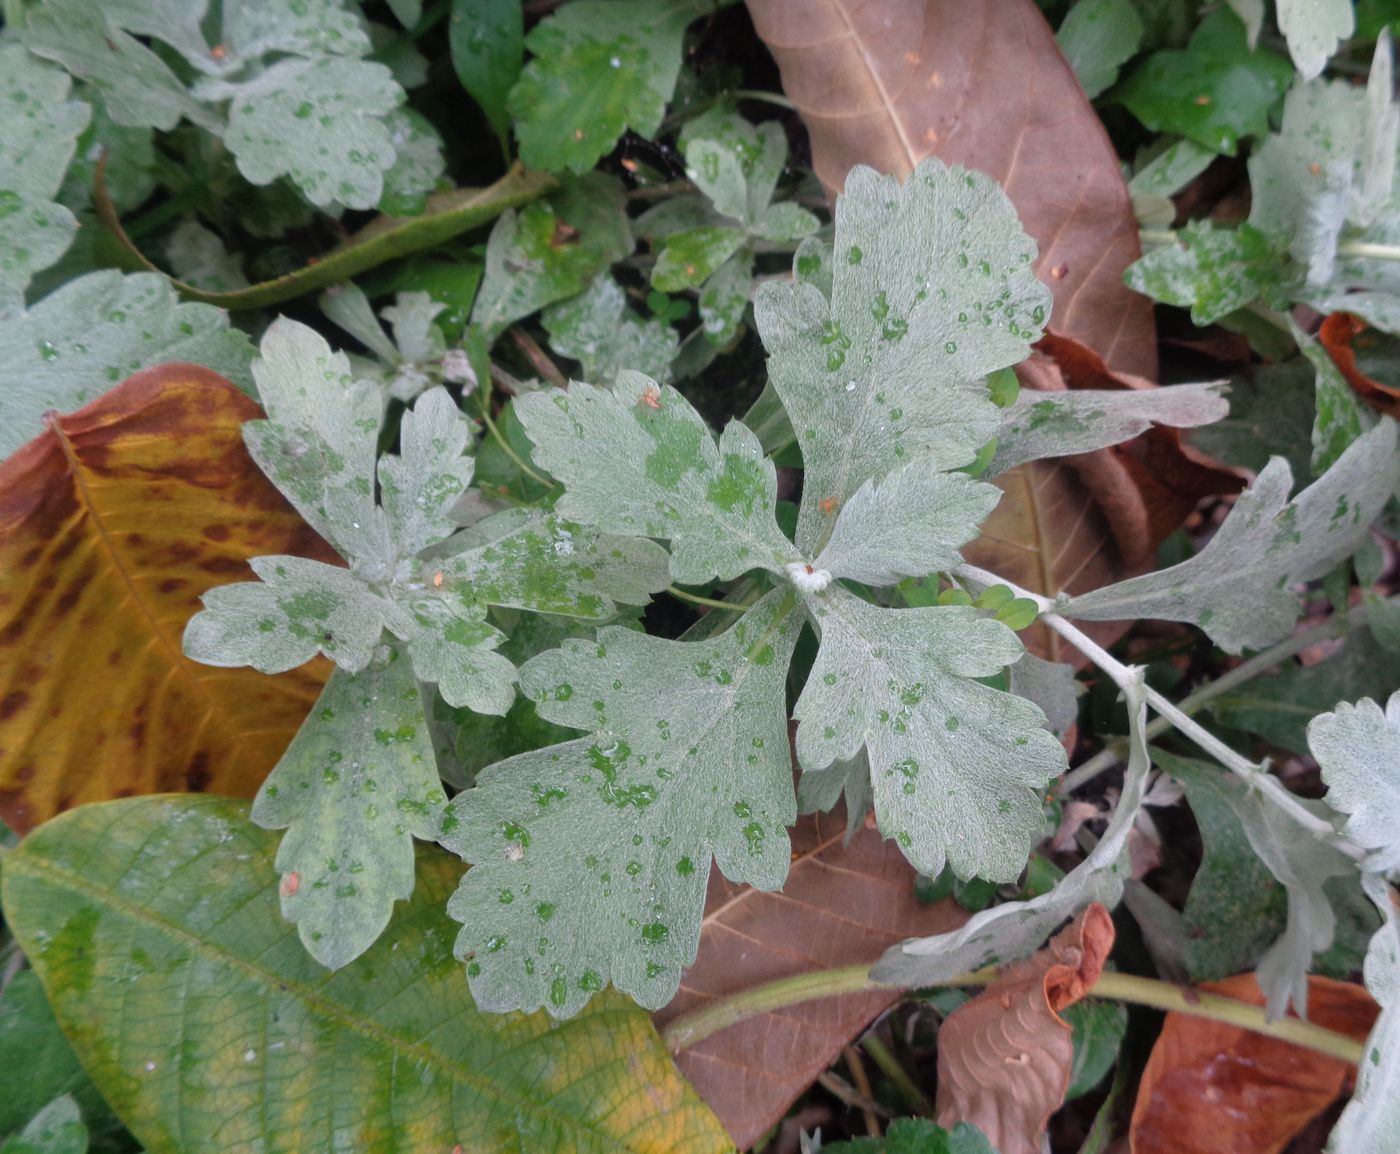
(1160, 237)
(505, 445)
(708, 602)
(693, 1028)
(899, 1077)
(1257, 776)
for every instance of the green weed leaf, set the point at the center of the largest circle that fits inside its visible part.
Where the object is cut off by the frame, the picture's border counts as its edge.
(56, 1129)
(591, 858)
(486, 38)
(1236, 588)
(597, 329)
(599, 67)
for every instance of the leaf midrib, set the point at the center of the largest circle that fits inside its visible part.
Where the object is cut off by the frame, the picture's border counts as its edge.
(45, 870)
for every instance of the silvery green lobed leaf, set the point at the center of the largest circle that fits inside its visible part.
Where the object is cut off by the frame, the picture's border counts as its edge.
(638, 460)
(958, 767)
(355, 787)
(1302, 865)
(418, 163)
(300, 608)
(724, 298)
(1236, 587)
(1341, 415)
(908, 524)
(537, 560)
(1051, 685)
(412, 317)
(1098, 37)
(420, 485)
(347, 306)
(597, 329)
(96, 331)
(1216, 271)
(551, 249)
(321, 122)
(932, 289)
(138, 87)
(819, 791)
(590, 858)
(1371, 1122)
(319, 442)
(1314, 29)
(39, 129)
(1358, 749)
(1011, 930)
(598, 67)
(197, 256)
(1060, 424)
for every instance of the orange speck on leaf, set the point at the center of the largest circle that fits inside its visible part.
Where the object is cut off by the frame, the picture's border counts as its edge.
(218, 52)
(578, 134)
(437, 579)
(290, 884)
(828, 505)
(651, 397)
(1315, 169)
(1203, 100)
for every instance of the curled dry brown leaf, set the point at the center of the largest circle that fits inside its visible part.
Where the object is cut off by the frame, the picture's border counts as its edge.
(112, 523)
(842, 904)
(1004, 1057)
(889, 82)
(1210, 1086)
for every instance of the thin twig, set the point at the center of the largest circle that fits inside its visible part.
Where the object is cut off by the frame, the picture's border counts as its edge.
(867, 1092)
(538, 358)
(848, 1094)
(899, 1077)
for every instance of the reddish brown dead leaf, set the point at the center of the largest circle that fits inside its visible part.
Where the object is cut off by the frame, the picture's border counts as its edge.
(841, 905)
(889, 82)
(1209, 1086)
(1004, 1057)
(112, 523)
(1354, 348)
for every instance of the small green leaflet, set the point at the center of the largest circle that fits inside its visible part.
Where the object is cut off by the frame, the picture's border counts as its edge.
(418, 163)
(96, 331)
(197, 256)
(1011, 930)
(358, 783)
(486, 38)
(1098, 37)
(56, 1129)
(1341, 415)
(637, 459)
(416, 358)
(918, 1136)
(597, 329)
(1358, 748)
(1214, 91)
(599, 67)
(1236, 588)
(39, 129)
(590, 858)
(958, 767)
(1040, 425)
(736, 167)
(932, 290)
(1371, 1122)
(551, 249)
(1215, 271)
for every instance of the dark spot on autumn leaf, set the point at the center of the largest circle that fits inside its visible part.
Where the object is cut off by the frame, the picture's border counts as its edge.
(115, 657)
(68, 599)
(25, 774)
(221, 565)
(137, 733)
(66, 802)
(31, 556)
(126, 791)
(172, 585)
(200, 775)
(12, 703)
(12, 632)
(65, 549)
(179, 552)
(216, 532)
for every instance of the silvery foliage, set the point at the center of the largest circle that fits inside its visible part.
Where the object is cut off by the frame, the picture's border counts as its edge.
(591, 857)
(1237, 587)
(1312, 28)
(1358, 749)
(285, 86)
(360, 780)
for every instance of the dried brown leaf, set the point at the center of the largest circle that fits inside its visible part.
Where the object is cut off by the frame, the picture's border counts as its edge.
(841, 905)
(1004, 1058)
(1210, 1086)
(889, 82)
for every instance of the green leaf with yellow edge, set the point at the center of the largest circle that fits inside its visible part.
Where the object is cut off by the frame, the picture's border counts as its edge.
(153, 924)
(112, 524)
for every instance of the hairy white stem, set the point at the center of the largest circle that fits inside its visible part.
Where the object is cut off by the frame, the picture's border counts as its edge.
(1257, 775)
